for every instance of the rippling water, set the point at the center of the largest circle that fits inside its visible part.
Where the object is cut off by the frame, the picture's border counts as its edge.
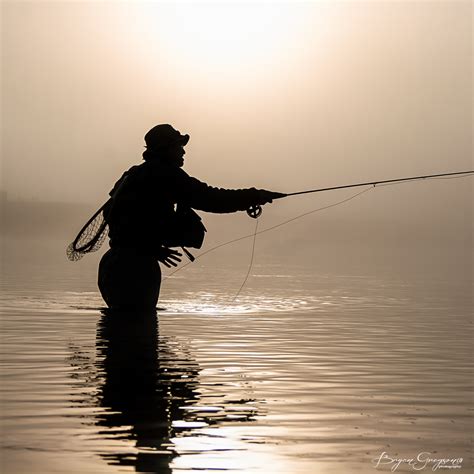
(305, 372)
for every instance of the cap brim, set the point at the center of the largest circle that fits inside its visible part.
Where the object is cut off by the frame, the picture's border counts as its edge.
(181, 140)
(184, 139)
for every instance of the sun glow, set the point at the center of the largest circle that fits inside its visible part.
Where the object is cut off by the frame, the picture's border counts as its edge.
(223, 37)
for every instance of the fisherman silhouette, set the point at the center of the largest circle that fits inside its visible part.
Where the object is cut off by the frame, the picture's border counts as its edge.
(151, 212)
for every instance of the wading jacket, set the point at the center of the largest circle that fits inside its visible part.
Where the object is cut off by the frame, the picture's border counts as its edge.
(144, 204)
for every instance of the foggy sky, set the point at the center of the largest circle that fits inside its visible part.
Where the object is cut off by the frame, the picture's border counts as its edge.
(351, 92)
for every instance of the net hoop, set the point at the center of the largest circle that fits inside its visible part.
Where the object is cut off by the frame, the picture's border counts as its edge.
(91, 237)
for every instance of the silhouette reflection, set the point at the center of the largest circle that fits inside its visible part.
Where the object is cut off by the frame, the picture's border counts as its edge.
(153, 407)
(143, 385)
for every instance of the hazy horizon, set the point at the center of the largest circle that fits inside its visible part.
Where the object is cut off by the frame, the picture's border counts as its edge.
(285, 96)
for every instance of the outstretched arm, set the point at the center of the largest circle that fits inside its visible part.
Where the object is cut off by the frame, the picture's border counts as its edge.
(201, 196)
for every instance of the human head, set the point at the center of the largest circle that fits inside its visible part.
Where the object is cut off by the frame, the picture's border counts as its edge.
(163, 141)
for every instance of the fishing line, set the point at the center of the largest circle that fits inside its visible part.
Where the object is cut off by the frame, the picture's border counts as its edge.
(238, 239)
(250, 264)
(311, 212)
(317, 210)
(373, 185)
(282, 224)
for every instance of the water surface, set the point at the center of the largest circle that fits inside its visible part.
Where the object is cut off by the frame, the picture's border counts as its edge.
(307, 371)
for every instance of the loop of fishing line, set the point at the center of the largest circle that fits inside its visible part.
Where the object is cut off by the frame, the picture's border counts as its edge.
(250, 264)
(238, 239)
(258, 212)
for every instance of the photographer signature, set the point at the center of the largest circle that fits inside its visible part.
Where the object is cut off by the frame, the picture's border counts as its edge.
(418, 463)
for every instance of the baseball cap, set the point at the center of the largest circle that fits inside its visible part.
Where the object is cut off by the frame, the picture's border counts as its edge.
(163, 136)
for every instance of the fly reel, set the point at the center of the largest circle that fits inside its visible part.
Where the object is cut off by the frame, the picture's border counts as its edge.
(254, 211)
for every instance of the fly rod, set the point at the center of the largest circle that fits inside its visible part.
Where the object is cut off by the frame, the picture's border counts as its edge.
(255, 211)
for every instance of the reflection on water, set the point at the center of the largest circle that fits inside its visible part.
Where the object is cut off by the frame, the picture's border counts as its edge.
(304, 374)
(140, 390)
(148, 389)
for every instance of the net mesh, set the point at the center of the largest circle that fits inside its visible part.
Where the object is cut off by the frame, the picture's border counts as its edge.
(90, 238)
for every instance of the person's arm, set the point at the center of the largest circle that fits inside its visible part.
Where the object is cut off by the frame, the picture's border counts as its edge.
(201, 196)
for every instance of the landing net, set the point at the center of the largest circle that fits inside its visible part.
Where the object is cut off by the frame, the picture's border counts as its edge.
(91, 237)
